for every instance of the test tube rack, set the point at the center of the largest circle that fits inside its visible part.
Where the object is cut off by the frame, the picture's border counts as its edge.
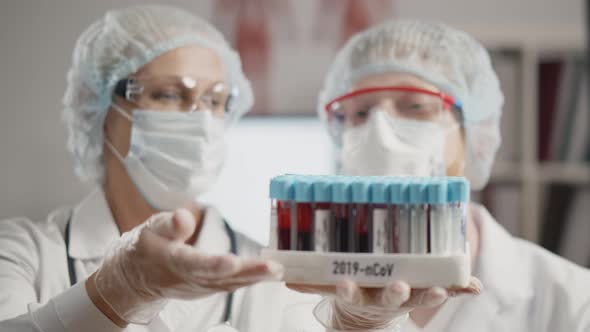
(371, 229)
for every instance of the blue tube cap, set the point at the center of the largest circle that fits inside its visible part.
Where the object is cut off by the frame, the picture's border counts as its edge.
(398, 191)
(361, 190)
(322, 190)
(379, 191)
(281, 187)
(341, 190)
(418, 192)
(458, 190)
(437, 192)
(303, 190)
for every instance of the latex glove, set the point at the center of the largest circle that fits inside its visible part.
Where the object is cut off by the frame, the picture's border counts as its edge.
(348, 307)
(152, 263)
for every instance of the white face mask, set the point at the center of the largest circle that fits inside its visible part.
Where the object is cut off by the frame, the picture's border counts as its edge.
(173, 157)
(388, 146)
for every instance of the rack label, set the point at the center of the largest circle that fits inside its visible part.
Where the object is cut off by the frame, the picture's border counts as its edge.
(355, 268)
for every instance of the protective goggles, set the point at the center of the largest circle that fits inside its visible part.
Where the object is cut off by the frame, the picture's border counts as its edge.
(354, 108)
(175, 93)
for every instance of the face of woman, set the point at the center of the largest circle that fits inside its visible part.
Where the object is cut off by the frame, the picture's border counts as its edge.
(184, 79)
(399, 103)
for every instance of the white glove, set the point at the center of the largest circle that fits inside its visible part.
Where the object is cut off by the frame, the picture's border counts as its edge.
(348, 307)
(152, 263)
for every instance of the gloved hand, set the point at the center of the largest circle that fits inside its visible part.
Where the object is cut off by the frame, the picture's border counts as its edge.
(348, 307)
(152, 263)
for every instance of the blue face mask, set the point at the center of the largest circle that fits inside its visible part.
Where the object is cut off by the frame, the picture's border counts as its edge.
(173, 157)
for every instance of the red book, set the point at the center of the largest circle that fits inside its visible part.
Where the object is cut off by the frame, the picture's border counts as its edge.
(549, 80)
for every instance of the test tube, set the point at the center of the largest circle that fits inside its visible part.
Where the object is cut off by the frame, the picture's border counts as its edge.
(285, 214)
(303, 207)
(465, 196)
(418, 217)
(341, 239)
(274, 226)
(400, 208)
(360, 189)
(403, 216)
(381, 237)
(439, 217)
(322, 195)
(459, 197)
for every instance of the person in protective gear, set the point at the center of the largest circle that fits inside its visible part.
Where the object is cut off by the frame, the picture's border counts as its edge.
(150, 95)
(417, 98)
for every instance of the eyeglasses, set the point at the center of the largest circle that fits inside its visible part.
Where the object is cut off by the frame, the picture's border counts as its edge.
(354, 108)
(175, 93)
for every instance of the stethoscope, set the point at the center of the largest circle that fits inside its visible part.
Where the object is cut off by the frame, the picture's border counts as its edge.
(224, 326)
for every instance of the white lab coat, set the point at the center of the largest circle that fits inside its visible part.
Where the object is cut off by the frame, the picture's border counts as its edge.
(526, 287)
(35, 292)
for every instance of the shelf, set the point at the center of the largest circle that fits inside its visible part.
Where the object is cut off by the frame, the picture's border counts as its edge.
(537, 38)
(526, 174)
(569, 173)
(506, 171)
(544, 173)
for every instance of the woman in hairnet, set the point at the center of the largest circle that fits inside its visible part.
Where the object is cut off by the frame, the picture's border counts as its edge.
(414, 98)
(149, 96)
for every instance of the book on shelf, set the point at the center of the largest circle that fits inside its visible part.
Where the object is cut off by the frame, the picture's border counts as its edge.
(507, 64)
(563, 137)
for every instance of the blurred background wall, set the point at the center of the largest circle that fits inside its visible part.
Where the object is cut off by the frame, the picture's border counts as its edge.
(540, 188)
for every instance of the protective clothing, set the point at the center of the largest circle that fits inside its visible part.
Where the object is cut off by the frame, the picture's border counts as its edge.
(173, 156)
(388, 146)
(526, 288)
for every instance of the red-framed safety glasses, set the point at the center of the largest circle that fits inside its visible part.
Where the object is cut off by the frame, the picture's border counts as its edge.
(354, 108)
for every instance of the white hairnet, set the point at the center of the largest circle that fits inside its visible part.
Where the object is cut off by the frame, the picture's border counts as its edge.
(450, 59)
(119, 44)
